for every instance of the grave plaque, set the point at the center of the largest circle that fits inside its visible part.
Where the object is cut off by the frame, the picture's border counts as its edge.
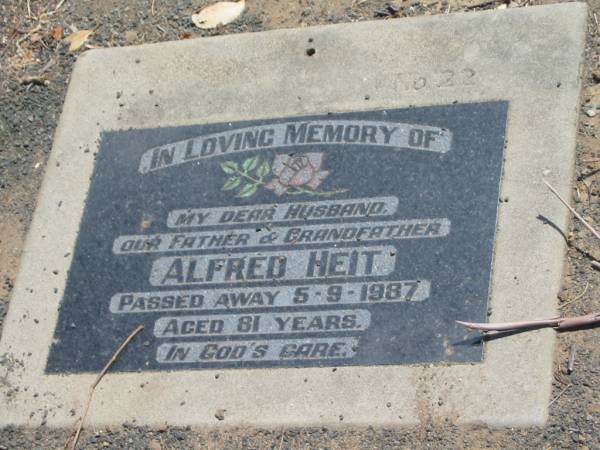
(326, 240)
(299, 231)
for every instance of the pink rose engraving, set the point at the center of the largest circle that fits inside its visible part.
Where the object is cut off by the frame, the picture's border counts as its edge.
(297, 170)
(297, 174)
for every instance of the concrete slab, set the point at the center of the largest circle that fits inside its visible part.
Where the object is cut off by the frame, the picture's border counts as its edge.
(135, 142)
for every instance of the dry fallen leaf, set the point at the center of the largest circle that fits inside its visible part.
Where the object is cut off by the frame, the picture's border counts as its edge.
(219, 13)
(77, 39)
(57, 32)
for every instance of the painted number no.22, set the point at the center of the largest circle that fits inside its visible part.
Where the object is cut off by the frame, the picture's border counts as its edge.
(440, 79)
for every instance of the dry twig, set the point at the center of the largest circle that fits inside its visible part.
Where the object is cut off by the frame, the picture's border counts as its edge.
(108, 365)
(575, 213)
(27, 35)
(559, 395)
(560, 323)
(46, 14)
(39, 80)
(587, 284)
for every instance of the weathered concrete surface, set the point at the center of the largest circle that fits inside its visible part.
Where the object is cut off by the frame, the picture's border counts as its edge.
(529, 57)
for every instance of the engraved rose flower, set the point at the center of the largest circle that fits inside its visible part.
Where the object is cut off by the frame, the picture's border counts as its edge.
(297, 170)
(292, 175)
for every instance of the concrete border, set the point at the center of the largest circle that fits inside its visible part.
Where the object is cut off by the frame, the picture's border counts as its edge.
(528, 56)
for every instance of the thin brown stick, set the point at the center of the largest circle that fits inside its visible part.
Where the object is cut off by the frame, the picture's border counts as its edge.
(575, 213)
(108, 365)
(560, 323)
(39, 80)
(588, 192)
(46, 14)
(559, 395)
(587, 284)
(29, 33)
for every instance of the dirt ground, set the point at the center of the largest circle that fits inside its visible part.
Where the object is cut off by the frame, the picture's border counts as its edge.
(35, 66)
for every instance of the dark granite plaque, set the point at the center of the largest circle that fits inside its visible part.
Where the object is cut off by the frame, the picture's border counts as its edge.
(327, 240)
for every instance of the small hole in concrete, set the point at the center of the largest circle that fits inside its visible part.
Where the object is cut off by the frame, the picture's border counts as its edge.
(311, 51)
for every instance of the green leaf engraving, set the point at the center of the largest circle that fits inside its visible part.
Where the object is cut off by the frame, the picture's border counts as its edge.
(248, 190)
(264, 169)
(229, 166)
(256, 173)
(249, 164)
(232, 183)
